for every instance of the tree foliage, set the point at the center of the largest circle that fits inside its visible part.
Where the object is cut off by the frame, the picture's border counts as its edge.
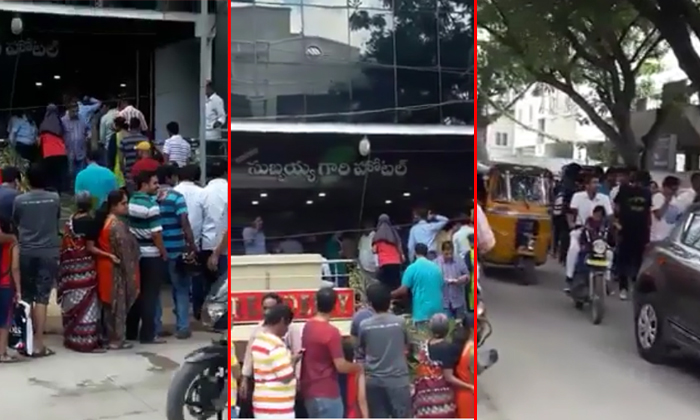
(595, 52)
(418, 55)
(501, 82)
(677, 21)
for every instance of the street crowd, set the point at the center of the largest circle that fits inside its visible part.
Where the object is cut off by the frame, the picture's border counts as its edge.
(390, 366)
(627, 205)
(139, 217)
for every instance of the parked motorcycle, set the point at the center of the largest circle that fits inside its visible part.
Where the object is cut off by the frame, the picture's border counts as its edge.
(200, 387)
(590, 283)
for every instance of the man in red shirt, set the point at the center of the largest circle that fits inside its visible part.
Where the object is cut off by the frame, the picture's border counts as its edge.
(145, 162)
(323, 361)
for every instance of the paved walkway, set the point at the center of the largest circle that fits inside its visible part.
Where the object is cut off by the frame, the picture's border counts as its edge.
(119, 385)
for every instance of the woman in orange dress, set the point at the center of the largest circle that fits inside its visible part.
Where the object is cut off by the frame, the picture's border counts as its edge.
(464, 371)
(117, 268)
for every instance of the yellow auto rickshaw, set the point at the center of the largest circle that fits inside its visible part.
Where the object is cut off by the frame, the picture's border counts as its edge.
(516, 204)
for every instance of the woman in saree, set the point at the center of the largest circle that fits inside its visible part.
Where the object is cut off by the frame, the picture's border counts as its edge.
(117, 268)
(77, 281)
(464, 371)
(435, 382)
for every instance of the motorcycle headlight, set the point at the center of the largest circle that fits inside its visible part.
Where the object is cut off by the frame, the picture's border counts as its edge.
(213, 312)
(480, 309)
(599, 246)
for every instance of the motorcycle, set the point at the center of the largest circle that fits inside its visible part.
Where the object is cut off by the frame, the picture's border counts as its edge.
(590, 284)
(200, 387)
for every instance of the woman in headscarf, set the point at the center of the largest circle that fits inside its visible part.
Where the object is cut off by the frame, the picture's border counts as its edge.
(53, 148)
(435, 382)
(77, 281)
(387, 245)
(117, 268)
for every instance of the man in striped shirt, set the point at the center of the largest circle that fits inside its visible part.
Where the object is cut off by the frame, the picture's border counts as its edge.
(273, 367)
(127, 146)
(176, 149)
(145, 223)
(179, 243)
(128, 112)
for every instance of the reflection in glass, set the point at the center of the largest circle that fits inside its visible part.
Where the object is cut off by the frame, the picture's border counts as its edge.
(350, 60)
(375, 96)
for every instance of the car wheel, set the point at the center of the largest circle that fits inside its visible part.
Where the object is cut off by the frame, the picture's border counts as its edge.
(649, 325)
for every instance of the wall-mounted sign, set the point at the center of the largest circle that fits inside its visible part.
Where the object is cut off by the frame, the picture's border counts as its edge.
(246, 307)
(311, 173)
(30, 46)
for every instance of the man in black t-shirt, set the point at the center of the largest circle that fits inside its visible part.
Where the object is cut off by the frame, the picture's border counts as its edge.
(633, 210)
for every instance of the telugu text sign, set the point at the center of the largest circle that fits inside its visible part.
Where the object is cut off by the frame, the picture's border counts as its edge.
(246, 307)
(313, 173)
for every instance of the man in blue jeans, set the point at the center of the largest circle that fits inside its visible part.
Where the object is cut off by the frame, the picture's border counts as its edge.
(179, 243)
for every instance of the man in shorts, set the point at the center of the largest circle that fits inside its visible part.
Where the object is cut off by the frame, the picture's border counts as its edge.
(36, 218)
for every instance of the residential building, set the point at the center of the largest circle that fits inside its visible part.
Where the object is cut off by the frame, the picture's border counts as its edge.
(544, 122)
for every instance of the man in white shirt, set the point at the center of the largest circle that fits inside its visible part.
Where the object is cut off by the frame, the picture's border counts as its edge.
(176, 149)
(666, 209)
(195, 199)
(460, 239)
(581, 208)
(215, 114)
(215, 211)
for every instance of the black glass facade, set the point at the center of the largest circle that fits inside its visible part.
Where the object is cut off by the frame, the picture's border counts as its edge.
(394, 61)
(165, 6)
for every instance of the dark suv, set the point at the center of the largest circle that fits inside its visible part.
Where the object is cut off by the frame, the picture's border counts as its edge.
(667, 293)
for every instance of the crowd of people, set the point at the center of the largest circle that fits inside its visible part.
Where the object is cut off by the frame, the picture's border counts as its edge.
(625, 203)
(388, 367)
(140, 218)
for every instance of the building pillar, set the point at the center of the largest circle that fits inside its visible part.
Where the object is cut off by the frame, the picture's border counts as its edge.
(204, 33)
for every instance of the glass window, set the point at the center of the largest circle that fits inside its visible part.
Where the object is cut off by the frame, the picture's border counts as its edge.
(691, 232)
(373, 92)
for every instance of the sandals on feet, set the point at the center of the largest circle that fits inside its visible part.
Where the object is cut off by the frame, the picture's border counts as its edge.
(6, 358)
(45, 352)
(121, 346)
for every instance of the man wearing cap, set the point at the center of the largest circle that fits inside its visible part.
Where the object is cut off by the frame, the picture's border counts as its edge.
(145, 162)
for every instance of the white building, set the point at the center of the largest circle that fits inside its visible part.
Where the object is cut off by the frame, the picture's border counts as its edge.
(543, 123)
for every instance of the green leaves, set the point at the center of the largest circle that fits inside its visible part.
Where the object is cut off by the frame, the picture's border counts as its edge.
(595, 51)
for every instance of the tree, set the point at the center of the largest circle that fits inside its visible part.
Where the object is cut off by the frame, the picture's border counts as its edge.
(500, 82)
(417, 57)
(594, 52)
(676, 21)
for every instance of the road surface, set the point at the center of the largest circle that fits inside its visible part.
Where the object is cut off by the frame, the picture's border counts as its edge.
(119, 385)
(556, 365)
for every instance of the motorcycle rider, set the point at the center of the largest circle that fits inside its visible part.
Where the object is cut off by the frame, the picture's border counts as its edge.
(581, 208)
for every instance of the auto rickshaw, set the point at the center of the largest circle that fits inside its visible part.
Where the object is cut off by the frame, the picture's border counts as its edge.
(516, 204)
